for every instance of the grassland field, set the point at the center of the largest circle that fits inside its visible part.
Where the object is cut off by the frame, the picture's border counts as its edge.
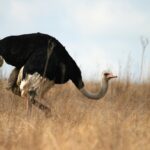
(119, 121)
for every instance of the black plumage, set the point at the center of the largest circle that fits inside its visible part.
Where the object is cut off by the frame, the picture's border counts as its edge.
(30, 51)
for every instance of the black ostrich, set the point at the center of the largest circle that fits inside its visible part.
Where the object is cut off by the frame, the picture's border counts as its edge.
(40, 55)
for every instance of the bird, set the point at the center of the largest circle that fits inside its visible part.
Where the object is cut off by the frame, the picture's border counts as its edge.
(40, 58)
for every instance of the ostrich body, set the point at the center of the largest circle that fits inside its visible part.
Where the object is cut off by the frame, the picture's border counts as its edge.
(30, 51)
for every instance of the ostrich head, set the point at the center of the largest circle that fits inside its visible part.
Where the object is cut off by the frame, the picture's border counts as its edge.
(108, 75)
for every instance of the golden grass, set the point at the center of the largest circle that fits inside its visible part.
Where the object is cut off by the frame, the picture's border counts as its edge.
(120, 121)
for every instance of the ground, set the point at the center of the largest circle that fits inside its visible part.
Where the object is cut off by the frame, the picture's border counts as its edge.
(119, 121)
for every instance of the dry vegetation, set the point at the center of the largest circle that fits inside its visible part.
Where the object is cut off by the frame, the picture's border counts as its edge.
(120, 121)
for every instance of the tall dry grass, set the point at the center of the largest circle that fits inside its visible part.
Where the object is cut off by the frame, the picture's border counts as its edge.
(120, 121)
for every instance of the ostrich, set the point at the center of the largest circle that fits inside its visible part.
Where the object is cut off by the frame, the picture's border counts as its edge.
(40, 57)
(37, 80)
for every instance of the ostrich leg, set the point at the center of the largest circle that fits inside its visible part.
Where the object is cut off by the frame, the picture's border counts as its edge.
(32, 100)
(32, 92)
(12, 82)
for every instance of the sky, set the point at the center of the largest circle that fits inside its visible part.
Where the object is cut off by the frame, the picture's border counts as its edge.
(100, 35)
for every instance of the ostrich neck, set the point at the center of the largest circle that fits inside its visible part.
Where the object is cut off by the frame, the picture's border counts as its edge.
(98, 95)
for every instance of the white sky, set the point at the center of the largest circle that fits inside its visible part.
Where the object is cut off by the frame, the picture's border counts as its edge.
(98, 34)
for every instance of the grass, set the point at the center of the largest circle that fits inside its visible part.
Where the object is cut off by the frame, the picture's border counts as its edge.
(120, 121)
